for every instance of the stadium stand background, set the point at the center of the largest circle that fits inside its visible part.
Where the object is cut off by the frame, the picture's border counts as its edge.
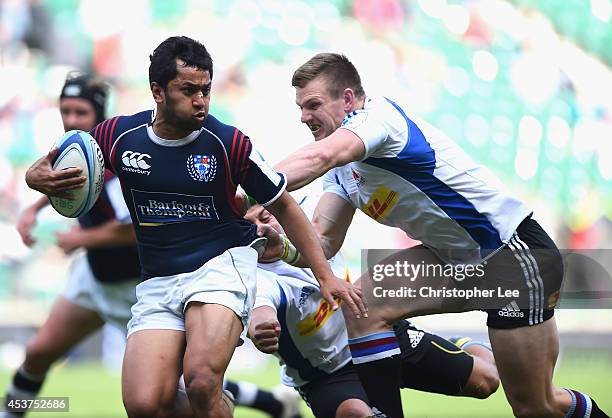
(524, 86)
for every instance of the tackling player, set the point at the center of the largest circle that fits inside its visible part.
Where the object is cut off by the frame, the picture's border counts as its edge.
(404, 173)
(293, 322)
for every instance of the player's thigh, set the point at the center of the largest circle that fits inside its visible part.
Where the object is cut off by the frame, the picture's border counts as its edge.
(212, 333)
(218, 302)
(525, 359)
(393, 286)
(430, 363)
(66, 325)
(339, 392)
(152, 365)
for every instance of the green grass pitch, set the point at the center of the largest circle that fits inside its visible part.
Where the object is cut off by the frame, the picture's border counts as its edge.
(95, 392)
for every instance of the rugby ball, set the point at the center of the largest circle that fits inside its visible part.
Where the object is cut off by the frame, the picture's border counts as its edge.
(79, 149)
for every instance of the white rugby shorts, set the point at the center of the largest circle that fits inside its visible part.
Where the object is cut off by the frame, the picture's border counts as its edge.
(228, 279)
(112, 301)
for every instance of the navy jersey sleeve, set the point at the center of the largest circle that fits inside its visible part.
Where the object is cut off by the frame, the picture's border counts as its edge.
(111, 130)
(253, 173)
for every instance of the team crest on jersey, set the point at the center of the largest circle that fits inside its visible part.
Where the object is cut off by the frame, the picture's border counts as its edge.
(202, 167)
(358, 178)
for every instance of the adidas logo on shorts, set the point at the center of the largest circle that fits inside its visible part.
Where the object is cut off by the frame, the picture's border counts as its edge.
(415, 337)
(511, 310)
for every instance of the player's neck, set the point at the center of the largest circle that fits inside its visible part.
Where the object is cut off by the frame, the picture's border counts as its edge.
(164, 129)
(358, 104)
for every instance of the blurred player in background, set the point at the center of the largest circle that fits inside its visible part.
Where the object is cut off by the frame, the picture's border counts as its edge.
(293, 322)
(409, 175)
(102, 279)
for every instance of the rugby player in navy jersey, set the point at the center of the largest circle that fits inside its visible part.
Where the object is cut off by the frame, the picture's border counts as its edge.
(404, 173)
(102, 281)
(179, 169)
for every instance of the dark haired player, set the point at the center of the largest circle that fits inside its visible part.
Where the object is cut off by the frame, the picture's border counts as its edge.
(179, 173)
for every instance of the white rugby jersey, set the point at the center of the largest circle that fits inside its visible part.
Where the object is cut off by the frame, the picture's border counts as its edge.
(313, 339)
(415, 178)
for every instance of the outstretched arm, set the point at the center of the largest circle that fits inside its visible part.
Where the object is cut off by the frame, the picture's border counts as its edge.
(27, 220)
(331, 220)
(110, 234)
(300, 232)
(313, 160)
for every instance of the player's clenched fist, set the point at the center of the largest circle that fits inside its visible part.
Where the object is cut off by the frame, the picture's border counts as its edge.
(265, 335)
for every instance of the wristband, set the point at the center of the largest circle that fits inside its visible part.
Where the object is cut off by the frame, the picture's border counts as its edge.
(290, 254)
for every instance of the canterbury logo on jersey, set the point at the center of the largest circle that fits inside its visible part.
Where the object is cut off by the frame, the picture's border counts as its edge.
(511, 310)
(381, 203)
(136, 161)
(315, 322)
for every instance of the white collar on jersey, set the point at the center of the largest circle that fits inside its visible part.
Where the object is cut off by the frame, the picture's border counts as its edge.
(172, 142)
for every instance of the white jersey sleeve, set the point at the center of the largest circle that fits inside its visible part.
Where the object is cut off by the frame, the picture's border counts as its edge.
(332, 184)
(268, 292)
(376, 127)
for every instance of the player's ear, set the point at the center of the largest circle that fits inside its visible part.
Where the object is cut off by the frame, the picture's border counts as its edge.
(159, 95)
(349, 99)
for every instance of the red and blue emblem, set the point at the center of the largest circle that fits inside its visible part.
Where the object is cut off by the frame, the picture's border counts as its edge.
(202, 167)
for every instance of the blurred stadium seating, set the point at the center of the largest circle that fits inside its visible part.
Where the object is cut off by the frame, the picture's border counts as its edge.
(525, 86)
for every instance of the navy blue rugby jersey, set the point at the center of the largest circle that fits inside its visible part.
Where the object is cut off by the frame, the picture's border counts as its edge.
(110, 264)
(180, 193)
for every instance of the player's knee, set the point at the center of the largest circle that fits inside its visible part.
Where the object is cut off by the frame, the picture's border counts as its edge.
(148, 407)
(203, 385)
(375, 322)
(487, 382)
(353, 408)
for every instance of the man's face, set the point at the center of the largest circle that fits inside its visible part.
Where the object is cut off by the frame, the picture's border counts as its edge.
(260, 216)
(187, 98)
(320, 111)
(77, 114)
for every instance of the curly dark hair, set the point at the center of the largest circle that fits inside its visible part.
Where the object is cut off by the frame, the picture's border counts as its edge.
(163, 59)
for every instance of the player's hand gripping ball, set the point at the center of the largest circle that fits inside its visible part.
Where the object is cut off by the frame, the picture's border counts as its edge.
(79, 149)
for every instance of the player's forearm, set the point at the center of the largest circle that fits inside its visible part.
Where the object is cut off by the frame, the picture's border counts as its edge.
(304, 166)
(110, 234)
(302, 235)
(40, 204)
